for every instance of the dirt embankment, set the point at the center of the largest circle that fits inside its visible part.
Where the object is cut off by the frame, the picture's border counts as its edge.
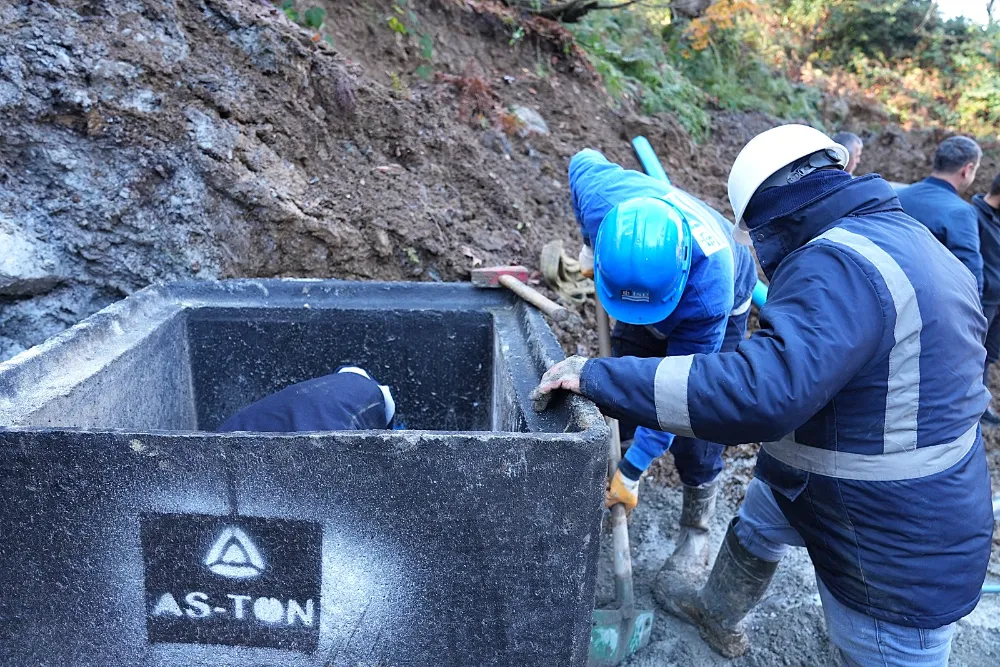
(160, 140)
(164, 140)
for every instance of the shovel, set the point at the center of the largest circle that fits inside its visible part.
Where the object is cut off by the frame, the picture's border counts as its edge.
(617, 633)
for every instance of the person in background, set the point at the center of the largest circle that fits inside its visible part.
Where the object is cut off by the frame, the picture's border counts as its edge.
(348, 400)
(854, 146)
(690, 288)
(936, 203)
(988, 210)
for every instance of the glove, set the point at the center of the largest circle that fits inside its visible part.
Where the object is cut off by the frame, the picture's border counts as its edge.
(564, 375)
(586, 259)
(622, 490)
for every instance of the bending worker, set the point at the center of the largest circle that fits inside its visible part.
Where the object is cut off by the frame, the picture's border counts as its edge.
(348, 400)
(695, 298)
(864, 386)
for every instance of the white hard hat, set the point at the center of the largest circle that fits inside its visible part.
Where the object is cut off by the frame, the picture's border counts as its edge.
(768, 153)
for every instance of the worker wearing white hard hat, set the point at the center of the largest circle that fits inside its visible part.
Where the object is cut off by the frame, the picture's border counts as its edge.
(864, 387)
(780, 156)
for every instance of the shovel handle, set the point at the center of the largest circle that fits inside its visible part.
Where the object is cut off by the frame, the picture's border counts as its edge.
(624, 593)
(535, 298)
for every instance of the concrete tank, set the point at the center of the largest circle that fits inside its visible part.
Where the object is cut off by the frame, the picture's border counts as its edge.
(134, 535)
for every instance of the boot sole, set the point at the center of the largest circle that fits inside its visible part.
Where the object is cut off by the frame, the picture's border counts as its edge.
(724, 642)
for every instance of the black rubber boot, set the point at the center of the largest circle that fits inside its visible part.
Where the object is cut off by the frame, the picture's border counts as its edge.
(691, 555)
(737, 583)
(990, 418)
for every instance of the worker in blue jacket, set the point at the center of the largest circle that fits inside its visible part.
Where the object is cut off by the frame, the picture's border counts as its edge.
(864, 386)
(348, 400)
(988, 209)
(935, 201)
(693, 296)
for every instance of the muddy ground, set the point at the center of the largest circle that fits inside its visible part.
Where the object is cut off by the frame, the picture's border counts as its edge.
(160, 140)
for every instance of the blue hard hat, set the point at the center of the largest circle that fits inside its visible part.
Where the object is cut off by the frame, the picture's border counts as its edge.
(641, 260)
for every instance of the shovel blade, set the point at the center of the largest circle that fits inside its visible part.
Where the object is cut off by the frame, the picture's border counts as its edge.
(615, 634)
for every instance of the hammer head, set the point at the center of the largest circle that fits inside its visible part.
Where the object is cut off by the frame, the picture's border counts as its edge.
(490, 276)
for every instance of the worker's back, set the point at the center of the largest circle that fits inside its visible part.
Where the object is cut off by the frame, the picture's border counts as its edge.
(342, 401)
(936, 204)
(894, 464)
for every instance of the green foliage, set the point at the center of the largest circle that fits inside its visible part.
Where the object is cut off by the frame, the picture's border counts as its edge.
(922, 69)
(644, 58)
(314, 17)
(426, 46)
(516, 36)
(779, 56)
(631, 59)
(397, 26)
(405, 23)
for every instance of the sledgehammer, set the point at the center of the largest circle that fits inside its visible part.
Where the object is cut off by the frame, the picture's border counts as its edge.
(513, 277)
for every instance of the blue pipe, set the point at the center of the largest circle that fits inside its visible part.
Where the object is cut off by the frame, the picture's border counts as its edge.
(647, 157)
(991, 588)
(759, 294)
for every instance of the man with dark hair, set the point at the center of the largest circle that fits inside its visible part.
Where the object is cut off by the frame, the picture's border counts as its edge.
(854, 146)
(988, 210)
(935, 201)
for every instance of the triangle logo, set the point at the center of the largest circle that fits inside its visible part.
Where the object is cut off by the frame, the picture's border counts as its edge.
(234, 555)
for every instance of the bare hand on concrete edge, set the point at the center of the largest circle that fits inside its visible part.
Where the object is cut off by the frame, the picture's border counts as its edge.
(564, 375)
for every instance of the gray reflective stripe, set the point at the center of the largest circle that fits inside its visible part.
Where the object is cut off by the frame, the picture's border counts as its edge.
(742, 308)
(911, 464)
(903, 395)
(670, 394)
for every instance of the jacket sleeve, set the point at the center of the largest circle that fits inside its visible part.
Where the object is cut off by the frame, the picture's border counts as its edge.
(701, 336)
(690, 336)
(823, 321)
(963, 241)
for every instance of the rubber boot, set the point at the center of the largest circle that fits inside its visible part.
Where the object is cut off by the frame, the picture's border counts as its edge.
(691, 555)
(737, 583)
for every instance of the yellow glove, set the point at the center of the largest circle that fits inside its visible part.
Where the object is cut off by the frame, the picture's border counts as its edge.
(623, 490)
(586, 259)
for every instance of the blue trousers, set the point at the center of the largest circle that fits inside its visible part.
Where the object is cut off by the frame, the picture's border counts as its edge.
(992, 312)
(860, 640)
(698, 461)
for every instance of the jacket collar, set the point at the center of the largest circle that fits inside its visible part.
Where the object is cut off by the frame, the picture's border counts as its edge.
(775, 239)
(992, 214)
(937, 182)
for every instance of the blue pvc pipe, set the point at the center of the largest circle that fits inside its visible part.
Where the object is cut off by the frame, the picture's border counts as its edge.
(759, 294)
(991, 588)
(651, 164)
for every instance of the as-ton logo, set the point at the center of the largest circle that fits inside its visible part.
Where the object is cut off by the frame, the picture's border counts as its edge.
(241, 581)
(234, 555)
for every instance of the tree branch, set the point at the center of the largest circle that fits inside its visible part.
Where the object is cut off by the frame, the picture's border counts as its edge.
(570, 11)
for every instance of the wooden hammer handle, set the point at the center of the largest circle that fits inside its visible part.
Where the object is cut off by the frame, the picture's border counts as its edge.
(535, 298)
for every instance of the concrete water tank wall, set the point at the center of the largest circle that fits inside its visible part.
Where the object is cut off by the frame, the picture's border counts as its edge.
(134, 535)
